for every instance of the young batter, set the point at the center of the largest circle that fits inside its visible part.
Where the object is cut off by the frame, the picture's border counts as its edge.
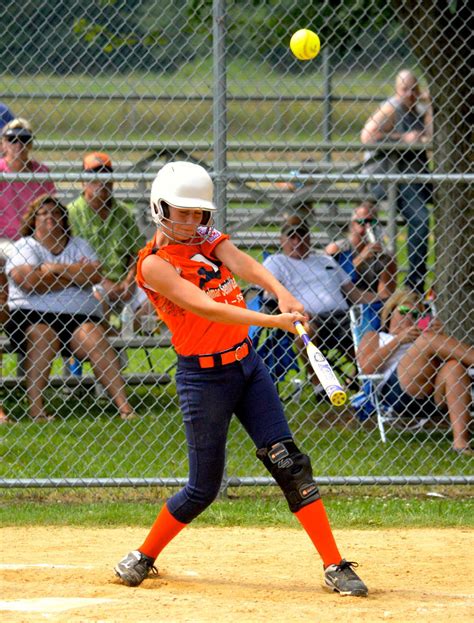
(187, 271)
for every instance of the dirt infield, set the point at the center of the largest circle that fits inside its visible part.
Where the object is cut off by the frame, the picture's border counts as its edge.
(234, 575)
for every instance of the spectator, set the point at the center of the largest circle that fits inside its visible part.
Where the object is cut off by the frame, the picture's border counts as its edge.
(109, 227)
(320, 284)
(365, 259)
(17, 143)
(6, 115)
(52, 307)
(404, 118)
(422, 368)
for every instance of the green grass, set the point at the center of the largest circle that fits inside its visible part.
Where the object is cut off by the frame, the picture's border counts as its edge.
(88, 440)
(185, 121)
(363, 508)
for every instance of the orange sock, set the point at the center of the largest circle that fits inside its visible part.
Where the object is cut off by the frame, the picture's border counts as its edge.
(314, 520)
(165, 528)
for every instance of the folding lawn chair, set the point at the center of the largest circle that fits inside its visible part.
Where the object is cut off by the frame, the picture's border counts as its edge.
(367, 402)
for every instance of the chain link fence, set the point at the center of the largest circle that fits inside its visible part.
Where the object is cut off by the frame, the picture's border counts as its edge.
(361, 154)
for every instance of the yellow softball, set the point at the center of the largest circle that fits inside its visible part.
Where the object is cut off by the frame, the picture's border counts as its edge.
(305, 44)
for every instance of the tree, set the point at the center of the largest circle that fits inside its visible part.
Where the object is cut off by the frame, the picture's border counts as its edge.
(440, 34)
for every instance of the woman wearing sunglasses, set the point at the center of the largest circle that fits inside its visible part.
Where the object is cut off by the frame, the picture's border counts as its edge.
(17, 144)
(424, 369)
(363, 257)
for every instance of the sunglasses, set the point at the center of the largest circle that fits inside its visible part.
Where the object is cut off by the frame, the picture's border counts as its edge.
(365, 221)
(299, 233)
(24, 140)
(404, 310)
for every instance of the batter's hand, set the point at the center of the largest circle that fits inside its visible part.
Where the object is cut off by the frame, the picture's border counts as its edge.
(288, 303)
(287, 321)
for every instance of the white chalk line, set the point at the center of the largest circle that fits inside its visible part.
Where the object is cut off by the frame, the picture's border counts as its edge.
(51, 604)
(40, 565)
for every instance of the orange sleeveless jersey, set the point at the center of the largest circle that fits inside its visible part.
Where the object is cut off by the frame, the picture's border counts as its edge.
(193, 334)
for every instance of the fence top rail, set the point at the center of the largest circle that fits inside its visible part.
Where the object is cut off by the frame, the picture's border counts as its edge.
(146, 97)
(232, 146)
(235, 177)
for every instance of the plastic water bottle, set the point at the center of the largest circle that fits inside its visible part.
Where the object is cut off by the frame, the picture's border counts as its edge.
(371, 234)
(148, 324)
(374, 234)
(127, 318)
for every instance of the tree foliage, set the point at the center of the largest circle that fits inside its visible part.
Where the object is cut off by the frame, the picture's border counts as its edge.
(441, 35)
(91, 36)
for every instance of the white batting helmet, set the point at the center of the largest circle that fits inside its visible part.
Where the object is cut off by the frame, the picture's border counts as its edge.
(184, 185)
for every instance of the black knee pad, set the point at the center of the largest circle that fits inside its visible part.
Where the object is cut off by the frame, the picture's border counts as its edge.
(292, 471)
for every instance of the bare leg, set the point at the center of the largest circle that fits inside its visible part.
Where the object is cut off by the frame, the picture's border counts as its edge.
(4, 419)
(89, 341)
(453, 387)
(418, 367)
(42, 346)
(446, 348)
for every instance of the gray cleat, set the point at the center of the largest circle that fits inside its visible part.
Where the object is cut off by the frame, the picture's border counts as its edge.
(344, 580)
(134, 568)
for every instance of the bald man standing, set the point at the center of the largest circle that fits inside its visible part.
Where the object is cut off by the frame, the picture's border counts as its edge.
(406, 118)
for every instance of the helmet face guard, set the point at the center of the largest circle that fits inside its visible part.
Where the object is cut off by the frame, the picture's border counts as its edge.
(186, 186)
(161, 217)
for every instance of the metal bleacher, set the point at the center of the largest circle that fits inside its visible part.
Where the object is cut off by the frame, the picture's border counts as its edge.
(261, 190)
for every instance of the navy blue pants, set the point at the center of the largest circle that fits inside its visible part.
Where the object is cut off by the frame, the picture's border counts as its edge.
(208, 398)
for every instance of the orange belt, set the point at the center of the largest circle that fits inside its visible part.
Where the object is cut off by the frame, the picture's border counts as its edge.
(223, 359)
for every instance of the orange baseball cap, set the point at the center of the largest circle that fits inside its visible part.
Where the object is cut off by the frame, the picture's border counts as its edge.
(97, 161)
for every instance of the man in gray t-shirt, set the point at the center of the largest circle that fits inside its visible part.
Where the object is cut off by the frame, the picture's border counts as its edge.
(320, 284)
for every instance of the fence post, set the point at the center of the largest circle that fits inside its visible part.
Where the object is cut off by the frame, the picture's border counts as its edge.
(327, 111)
(219, 110)
(392, 217)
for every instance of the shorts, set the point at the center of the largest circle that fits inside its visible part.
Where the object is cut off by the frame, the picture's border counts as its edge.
(63, 324)
(393, 395)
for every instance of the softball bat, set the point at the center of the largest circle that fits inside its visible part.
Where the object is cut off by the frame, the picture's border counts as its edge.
(323, 370)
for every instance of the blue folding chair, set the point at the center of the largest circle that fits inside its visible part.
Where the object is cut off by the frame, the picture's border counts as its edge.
(369, 313)
(366, 402)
